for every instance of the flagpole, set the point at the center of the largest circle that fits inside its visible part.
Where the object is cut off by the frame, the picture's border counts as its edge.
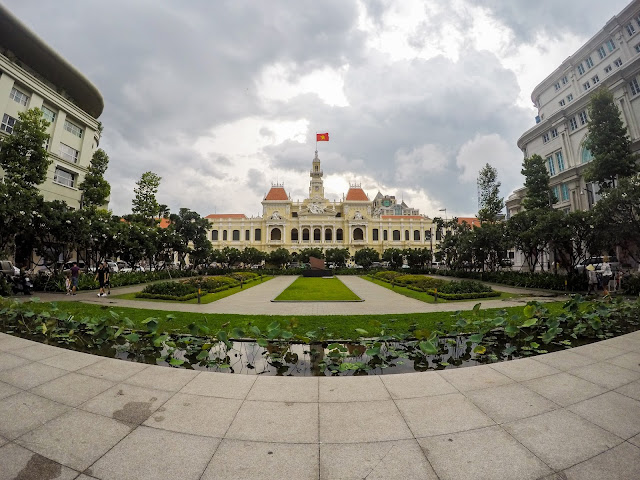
(316, 143)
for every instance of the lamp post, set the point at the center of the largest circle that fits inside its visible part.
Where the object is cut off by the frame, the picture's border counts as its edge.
(589, 195)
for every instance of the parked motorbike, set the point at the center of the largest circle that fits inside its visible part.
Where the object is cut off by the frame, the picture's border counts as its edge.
(21, 284)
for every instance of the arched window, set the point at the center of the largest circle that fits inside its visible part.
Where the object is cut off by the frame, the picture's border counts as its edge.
(328, 235)
(214, 235)
(224, 236)
(586, 156)
(339, 236)
(406, 235)
(305, 234)
(416, 235)
(294, 235)
(236, 236)
(396, 235)
(276, 234)
(358, 234)
(316, 234)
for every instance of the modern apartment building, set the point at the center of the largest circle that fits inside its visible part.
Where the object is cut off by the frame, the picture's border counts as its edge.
(32, 75)
(354, 222)
(610, 58)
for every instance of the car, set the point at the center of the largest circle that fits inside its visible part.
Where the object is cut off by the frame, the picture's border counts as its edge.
(113, 267)
(597, 263)
(8, 269)
(123, 267)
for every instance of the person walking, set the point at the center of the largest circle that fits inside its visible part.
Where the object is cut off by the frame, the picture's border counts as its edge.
(605, 270)
(67, 283)
(100, 276)
(75, 275)
(593, 280)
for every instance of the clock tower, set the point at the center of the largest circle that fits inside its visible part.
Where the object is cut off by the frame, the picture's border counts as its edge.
(316, 189)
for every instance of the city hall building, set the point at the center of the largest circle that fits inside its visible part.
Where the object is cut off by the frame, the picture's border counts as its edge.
(355, 222)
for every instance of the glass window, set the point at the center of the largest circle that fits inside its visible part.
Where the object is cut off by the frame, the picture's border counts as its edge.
(64, 177)
(552, 168)
(68, 153)
(416, 235)
(214, 235)
(427, 234)
(611, 45)
(73, 128)
(247, 235)
(235, 236)
(396, 235)
(560, 161)
(19, 97)
(305, 234)
(561, 103)
(602, 52)
(583, 117)
(8, 122)
(589, 62)
(48, 115)
(556, 194)
(294, 235)
(438, 235)
(557, 86)
(385, 235)
(595, 79)
(257, 235)
(637, 48)
(375, 234)
(554, 132)
(225, 236)
(564, 189)
(406, 235)
(572, 123)
(586, 85)
(316, 234)
(635, 88)
(339, 235)
(618, 62)
(581, 69)
(328, 235)
(569, 97)
(565, 80)
(545, 137)
(586, 156)
(630, 29)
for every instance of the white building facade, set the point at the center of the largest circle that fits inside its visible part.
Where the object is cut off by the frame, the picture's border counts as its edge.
(32, 75)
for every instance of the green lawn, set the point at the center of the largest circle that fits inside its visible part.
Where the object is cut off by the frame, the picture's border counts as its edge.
(329, 326)
(425, 297)
(208, 298)
(317, 289)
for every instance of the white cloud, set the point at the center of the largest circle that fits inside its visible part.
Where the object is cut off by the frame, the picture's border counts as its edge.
(420, 161)
(491, 149)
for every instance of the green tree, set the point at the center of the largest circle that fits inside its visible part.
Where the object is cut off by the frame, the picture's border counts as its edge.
(305, 253)
(538, 195)
(491, 204)
(608, 142)
(418, 257)
(95, 189)
(189, 229)
(366, 256)
(229, 256)
(25, 162)
(394, 256)
(144, 202)
(252, 256)
(337, 256)
(280, 257)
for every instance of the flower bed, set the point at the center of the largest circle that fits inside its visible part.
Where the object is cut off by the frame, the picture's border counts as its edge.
(184, 290)
(465, 289)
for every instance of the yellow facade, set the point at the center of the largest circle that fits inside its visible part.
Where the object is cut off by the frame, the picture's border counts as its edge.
(319, 222)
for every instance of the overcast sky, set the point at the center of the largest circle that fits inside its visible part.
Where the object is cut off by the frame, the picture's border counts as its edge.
(224, 98)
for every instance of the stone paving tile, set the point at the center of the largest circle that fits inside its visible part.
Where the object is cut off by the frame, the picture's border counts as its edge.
(600, 352)
(398, 460)
(352, 389)
(284, 389)
(486, 453)
(635, 440)
(442, 414)
(606, 374)
(9, 342)
(38, 351)
(150, 454)
(127, 403)
(565, 360)
(619, 463)
(628, 360)
(285, 422)
(419, 384)
(561, 438)
(71, 361)
(7, 390)
(162, 378)
(9, 361)
(564, 389)
(3, 441)
(237, 459)
(223, 385)
(625, 342)
(195, 414)
(30, 375)
(613, 412)
(113, 369)
(25, 411)
(524, 369)
(510, 402)
(358, 422)
(17, 463)
(630, 390)
(72, 389)
(75, 439)
(466, 379)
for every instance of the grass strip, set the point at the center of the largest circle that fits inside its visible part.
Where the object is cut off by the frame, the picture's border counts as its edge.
(317, 289)
(427, 298)
(326, 326)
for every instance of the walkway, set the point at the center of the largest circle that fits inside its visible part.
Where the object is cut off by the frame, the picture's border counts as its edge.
(568, 415)
(257, 301)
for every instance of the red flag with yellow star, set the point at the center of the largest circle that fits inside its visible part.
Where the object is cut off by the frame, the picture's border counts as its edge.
(322, 137)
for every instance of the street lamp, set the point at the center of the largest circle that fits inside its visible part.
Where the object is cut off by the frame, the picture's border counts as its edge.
(445, 213)
(589, 195)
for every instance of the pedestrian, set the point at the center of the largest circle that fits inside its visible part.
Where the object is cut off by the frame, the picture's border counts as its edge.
(605, 270)
(107, 278)
(593, 280)
(75, 275)
(67, 283)
(100, 276)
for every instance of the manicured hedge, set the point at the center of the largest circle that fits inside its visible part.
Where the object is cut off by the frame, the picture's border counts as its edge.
(445, 289)
(544, 280)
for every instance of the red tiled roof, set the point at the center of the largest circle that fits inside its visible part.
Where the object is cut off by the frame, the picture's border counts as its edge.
(356, 195)
(164, 223)
(214, 216)
(471, 221)
(277, 193)
(414, 217)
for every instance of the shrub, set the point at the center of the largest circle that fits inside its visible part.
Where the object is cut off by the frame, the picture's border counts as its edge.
(631, 284)
(174, 289)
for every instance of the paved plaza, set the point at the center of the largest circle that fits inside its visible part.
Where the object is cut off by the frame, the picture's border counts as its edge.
(568, 415)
